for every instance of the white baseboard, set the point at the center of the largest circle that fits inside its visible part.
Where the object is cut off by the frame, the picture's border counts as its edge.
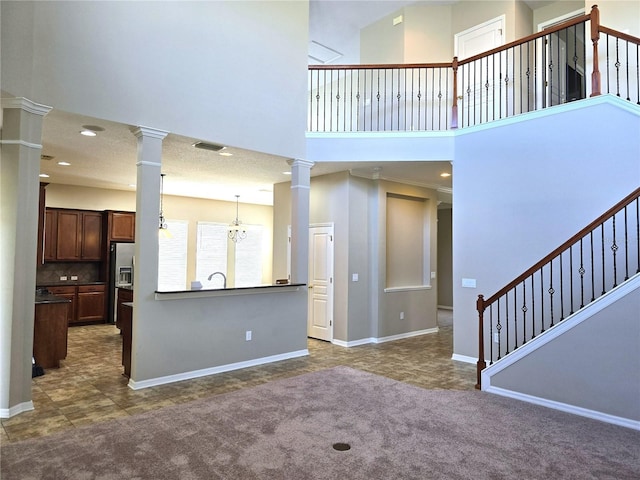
(445, 307)
(464, 358)
(152, 382)
(354, 343)
(16, 409)
(365, 341)
(564, 407)
(415, 333)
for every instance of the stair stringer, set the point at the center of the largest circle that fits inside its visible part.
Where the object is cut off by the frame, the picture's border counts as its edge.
(629, 290)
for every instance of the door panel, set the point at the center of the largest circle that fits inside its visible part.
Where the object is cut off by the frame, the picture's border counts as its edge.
(479, 81)
(320, 311)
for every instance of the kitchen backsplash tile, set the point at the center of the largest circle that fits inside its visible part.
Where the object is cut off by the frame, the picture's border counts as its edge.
(50, 273)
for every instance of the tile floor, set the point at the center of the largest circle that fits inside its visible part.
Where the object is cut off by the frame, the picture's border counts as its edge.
(89, 387)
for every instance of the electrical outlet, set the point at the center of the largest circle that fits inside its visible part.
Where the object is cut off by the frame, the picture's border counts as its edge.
(401, 315)
(63, 278)
(74, 277)
(247, 335)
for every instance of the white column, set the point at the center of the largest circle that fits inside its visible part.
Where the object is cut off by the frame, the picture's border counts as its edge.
(145, 273)
(20, 149)
(300, 192)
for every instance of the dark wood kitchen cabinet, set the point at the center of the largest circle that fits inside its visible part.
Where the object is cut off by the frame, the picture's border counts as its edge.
(91, 303)
(88, 302)
(121, 226)
(72, 235)
(50, 334)
(68, 292)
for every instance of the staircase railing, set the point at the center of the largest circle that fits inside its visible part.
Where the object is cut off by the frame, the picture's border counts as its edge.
(542, 70)
(592, 262)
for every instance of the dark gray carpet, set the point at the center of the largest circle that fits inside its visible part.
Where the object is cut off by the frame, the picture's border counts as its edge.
(286, 430)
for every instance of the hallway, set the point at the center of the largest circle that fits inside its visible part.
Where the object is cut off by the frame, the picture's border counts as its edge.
(89, 387)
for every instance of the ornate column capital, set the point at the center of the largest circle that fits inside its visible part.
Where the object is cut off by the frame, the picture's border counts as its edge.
(26, 105)
(141, 131)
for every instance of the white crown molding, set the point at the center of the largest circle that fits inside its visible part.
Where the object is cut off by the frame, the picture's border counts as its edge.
(377, 176)
(22, 143)
(299, 162)
(26, 105)
(149, 132)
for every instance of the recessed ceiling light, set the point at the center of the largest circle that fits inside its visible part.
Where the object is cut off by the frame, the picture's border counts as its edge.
(44, 175)
(286, 173)
(445, 175)
(64, 164)
(88, 133)
(132, 185)
(226, 154)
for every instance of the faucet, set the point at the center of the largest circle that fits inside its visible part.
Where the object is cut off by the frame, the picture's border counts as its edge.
(224, 277)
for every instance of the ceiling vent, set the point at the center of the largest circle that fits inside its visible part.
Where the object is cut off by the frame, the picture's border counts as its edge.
(208, 146)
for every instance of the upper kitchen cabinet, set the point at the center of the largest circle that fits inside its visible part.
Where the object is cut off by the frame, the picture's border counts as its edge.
(121, 226)
(72, 235)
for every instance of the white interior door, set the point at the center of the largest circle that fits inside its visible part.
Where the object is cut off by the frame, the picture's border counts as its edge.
(476, 81)
(320, 310)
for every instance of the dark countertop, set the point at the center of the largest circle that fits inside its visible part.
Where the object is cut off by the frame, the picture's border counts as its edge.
(232, 289)
(67, 284)
(46, 298)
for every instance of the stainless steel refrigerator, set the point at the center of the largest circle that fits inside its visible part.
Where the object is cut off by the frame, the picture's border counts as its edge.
(121, 264)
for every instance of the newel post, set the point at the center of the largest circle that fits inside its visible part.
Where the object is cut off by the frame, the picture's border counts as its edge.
(454, 108)
(481, 363)
(595, 36)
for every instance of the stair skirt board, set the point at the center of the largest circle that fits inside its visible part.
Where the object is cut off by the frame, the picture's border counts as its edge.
(599, 304)
(564, 407)
(567, 324)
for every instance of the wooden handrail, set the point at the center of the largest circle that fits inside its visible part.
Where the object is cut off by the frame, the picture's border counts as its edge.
(597, 222)
(380, 66)
(620, 35)
(534, 36)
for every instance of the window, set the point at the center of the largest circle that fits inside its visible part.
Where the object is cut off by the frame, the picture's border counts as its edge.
(172, 257)
(241, 262)
(211, 253)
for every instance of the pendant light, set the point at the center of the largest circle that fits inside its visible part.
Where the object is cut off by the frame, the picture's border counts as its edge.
(163, 229)
(237, 233)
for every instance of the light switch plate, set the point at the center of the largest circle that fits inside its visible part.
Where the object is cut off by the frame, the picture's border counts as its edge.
(469, 283)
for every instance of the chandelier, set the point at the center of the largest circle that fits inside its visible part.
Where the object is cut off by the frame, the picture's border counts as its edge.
(237, 233)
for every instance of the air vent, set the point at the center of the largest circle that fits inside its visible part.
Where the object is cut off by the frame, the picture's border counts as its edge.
(46, 157)
(208, 146)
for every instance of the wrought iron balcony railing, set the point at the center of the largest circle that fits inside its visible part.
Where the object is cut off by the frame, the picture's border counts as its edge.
(542, 70)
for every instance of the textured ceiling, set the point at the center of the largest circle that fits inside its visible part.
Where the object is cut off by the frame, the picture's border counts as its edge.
(109, 161)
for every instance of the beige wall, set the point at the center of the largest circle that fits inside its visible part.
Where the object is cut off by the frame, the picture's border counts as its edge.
(445, 258)
(193, 210)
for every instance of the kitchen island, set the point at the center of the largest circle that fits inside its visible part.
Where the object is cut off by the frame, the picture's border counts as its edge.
(183, 334)
(50, 329)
